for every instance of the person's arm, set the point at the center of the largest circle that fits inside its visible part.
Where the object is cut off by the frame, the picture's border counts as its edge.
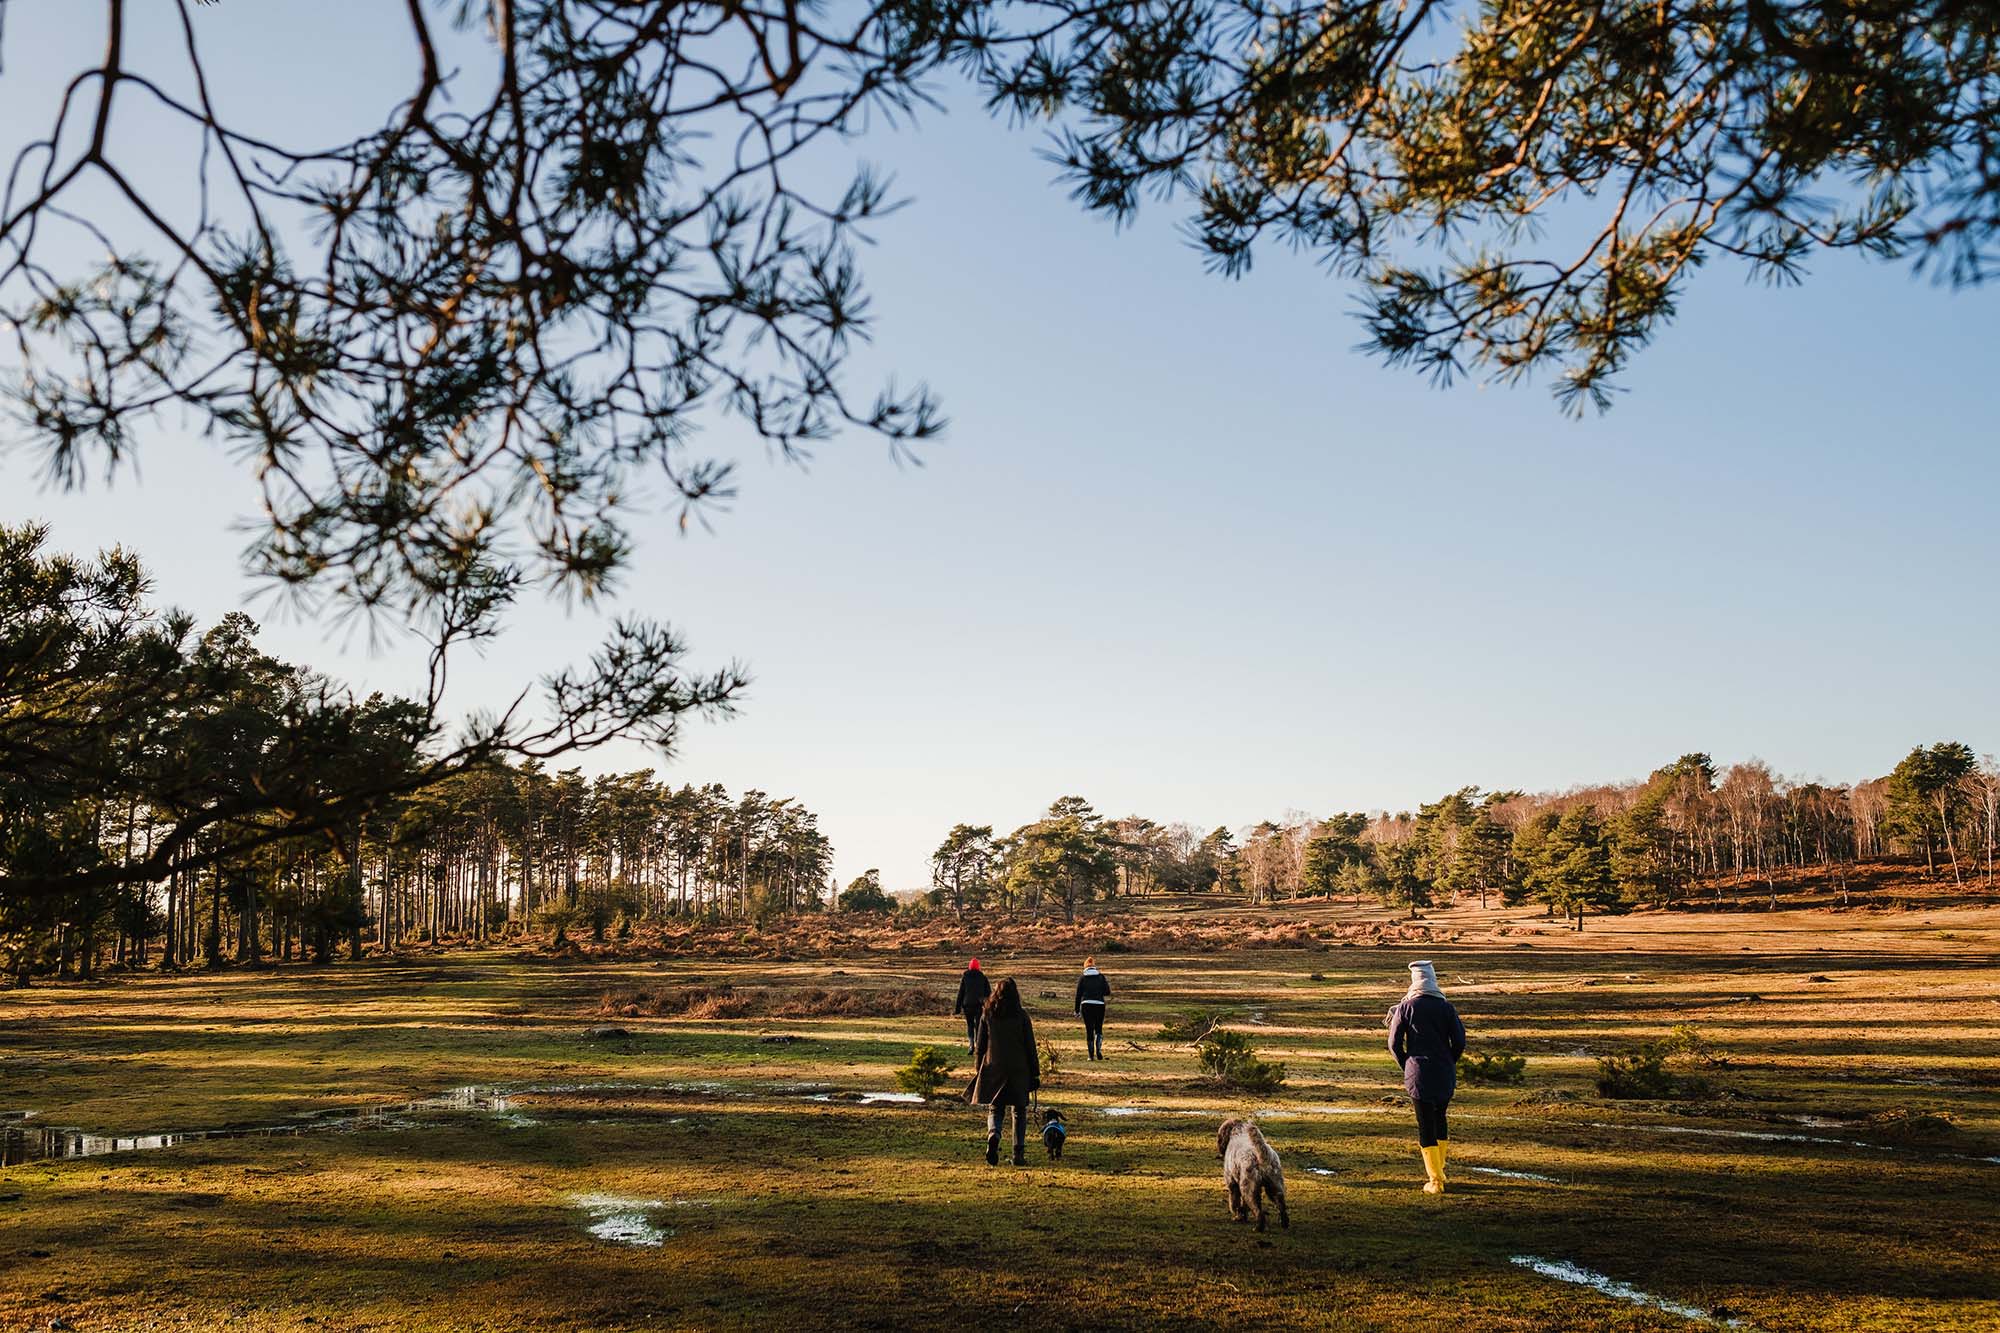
(1076, 1006)
(958, 1005)
(1034, 1054)
(1105, 982)
(979, 1043)
(1397, 1035)
(1457, 1036)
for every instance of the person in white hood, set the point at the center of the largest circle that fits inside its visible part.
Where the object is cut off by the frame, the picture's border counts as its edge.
(1426, 1037)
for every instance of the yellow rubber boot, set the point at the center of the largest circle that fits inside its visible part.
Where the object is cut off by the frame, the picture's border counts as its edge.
(1444, 1151)
(1433, 1170)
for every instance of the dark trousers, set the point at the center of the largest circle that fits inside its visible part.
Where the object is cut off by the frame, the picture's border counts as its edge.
(1093, 1029)
(1430, 1123)
(971, 1029)
(996, 1116)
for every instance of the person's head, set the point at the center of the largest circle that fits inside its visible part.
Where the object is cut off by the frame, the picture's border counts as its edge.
(1005, 1001)
(972, 966)
(1423, 980)
(1089, 963)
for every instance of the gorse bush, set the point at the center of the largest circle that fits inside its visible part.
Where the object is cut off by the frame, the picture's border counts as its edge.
(558, 919)
(926, 1072)
(1687, 1043)
(1494, 1067)
(1227, 1057)
(1644, 1074)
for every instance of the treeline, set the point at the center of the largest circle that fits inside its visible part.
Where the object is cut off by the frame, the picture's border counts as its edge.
(1594, 849)
(484, 849)
(179, 798)
(476, 855)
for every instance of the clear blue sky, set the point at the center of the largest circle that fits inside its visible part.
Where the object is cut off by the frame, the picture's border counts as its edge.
(1187, 554)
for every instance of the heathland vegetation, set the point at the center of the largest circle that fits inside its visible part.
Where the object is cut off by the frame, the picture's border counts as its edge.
(1837, 1174)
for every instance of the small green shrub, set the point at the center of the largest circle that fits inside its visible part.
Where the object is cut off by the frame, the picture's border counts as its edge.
(557, 918)
(1494, 1067)
(926, 1072)
(1644, 1075)
(1228, 1058)
(1049, 1056)
(1686, 1042)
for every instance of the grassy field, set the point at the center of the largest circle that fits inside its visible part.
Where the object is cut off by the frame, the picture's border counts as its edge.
(1843, 1175)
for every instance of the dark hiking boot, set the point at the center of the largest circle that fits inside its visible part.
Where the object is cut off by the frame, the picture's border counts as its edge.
(992, 1150)
(1020, 1157)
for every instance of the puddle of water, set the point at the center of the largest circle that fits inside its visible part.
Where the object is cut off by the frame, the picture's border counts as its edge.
(18, 1144)
(1564, 1271)
(1763, 1136)
(1147, 1110)
(622, 1221)
(1320, 1171)
(1514, 1175)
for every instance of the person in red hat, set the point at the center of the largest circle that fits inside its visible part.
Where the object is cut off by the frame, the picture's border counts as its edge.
(973, 988)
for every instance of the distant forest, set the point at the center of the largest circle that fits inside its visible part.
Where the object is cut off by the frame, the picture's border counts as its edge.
(1590, 849)
(180, 799)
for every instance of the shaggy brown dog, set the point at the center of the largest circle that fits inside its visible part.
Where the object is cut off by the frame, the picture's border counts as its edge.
(1251, 1170)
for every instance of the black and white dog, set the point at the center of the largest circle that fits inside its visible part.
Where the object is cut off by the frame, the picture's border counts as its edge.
(1054, 1131)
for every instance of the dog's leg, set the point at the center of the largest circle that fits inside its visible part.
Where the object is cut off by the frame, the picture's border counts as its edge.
(1284, 1214)
(1257, 1197)
(1236, 1209)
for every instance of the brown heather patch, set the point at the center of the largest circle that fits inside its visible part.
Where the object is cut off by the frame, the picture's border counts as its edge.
(728, 1001)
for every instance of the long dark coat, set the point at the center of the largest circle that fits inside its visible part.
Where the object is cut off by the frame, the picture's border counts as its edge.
(1004, 1061)
(1426, 1037)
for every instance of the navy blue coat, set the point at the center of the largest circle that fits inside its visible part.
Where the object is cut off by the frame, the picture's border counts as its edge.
(1427, 1038)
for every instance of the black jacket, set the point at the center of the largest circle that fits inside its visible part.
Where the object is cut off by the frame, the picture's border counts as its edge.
(1091, 986)
(973, 988)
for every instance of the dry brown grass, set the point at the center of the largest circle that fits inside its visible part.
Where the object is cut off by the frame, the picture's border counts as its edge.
(1227, 929)
(772, 1002)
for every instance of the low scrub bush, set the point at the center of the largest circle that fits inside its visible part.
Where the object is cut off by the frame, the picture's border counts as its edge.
(926, 1072)
(1645, 1075)
(1049, 1056)
(1228, 1058)
(1913, 1126)
(1496, 1067)
(1687, 1043)
(558, 919)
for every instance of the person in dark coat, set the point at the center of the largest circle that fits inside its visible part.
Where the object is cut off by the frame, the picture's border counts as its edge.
(1092, 990)
(973, 988)
(1426, 1037)
(1006, 1068)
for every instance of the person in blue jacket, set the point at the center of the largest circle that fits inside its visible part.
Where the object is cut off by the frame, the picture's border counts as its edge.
(1426, 1037)
(1092, 990)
